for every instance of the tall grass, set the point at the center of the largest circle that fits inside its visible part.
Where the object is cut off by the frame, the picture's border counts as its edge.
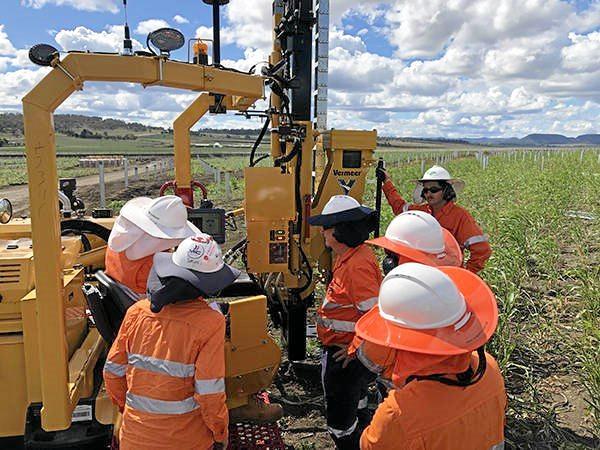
(544, 272)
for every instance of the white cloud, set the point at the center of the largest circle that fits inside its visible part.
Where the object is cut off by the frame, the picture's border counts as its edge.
(148, 26)
(584, 54)
(14, 85)
(6, 47)
(180, 19)
(83, 5)
(82, 38)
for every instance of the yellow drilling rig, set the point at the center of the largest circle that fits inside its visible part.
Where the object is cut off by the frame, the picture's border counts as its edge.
(51, 348)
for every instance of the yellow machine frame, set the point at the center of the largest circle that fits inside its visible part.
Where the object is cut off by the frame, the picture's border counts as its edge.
(62, 379)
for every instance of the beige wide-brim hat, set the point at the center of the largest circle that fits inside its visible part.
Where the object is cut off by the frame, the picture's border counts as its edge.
(162, 217)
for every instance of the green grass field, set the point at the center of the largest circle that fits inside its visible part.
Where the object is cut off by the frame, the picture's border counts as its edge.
(545, 272)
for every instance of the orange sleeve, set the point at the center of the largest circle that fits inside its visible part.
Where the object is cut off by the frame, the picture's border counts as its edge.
(141, 276)
(471, 237)
(365, 287)
(384, 431)
(209, 380)
(354, 345)
(115, 367)
(393, 197)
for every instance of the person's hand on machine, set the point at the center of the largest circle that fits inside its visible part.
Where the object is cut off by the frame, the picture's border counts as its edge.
(381, 174)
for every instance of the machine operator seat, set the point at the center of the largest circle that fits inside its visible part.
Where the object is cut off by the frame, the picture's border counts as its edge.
(108, 303)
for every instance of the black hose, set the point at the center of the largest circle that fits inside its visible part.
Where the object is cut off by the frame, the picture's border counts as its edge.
(287, 158)
(261, 135)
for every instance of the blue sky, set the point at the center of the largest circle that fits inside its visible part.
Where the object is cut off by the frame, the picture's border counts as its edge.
(448, 68)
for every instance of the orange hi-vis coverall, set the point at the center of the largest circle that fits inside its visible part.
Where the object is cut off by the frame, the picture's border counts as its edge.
(166, 373)
(351, 293)
(453, 218)
(427, 414)
(133, 274)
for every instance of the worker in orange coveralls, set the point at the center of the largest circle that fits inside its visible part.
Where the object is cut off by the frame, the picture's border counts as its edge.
(413, 236)
(144, 227)
(439, 190)
(450, 393)
(350, 294)
(166, 368)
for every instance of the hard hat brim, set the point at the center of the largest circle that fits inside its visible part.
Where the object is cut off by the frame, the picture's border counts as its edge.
(209, 283)
(349, 215)
(451, 256)
(478, 329)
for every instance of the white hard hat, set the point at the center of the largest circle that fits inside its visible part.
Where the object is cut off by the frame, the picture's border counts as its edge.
(199, 261)
(162, 217)
(418, 230)
(437, 173)
(420, 297)
(419, 237)
(431, 310)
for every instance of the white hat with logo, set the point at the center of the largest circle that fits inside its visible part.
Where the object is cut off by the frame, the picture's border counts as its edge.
(199, 261)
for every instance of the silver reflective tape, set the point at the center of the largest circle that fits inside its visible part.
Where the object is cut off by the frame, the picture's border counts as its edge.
(341, 433)
(114, 368)
(363, 402)
(499, 446)
(475, 240)
(364, 359)
(214, 386)
(405, 207)
(337, 325)
(172, 368)
(328, 304)
(151, 405)
(367, 305)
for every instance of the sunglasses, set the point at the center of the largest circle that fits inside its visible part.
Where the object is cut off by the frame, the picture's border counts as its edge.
(433, 190)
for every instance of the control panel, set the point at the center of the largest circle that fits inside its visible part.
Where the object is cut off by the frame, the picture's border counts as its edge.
(270, 209)
(210, 221)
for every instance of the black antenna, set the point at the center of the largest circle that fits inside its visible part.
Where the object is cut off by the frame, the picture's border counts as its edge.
(216, 28)
(127, 47)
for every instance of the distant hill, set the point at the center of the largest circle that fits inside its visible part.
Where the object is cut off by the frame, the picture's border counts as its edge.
(536, 140)
(73, 124)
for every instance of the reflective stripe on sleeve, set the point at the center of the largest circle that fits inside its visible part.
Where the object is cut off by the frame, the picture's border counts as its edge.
(151, 405)
(367, 305)
(341, 433)
(364, 359)
(329, 305)
(114, 368)
(499, 446)
(405, 207)
(214, 386)
(172, 368)
(337, 325)
(363, 402)
(475, 240)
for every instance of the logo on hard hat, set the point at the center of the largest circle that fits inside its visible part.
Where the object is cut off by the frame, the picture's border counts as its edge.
(196, 252)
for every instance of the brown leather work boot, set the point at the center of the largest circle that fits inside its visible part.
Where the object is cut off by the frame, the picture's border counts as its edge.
(256, 411)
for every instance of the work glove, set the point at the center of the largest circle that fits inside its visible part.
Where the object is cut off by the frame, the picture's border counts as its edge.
(381, 174)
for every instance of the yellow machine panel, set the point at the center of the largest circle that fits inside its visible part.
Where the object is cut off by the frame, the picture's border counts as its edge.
(251, 355)
(270, 200)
